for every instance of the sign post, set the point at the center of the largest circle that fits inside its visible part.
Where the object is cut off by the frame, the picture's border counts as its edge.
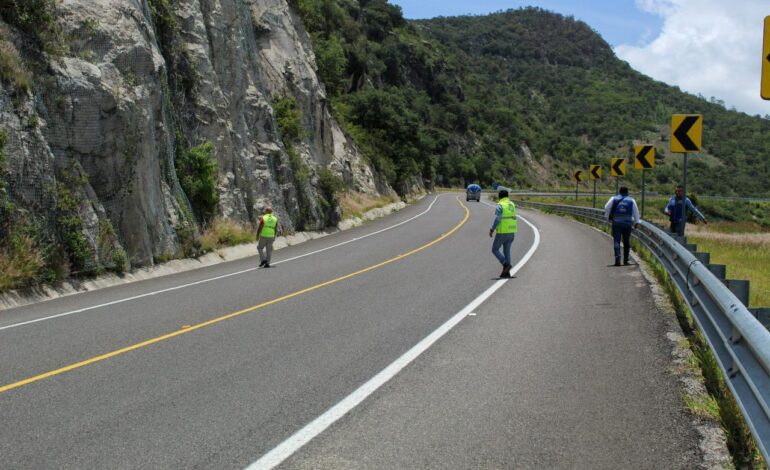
(686, 137)
(595, 173)
(578, 177)
(644, 159)
(618, 169)
(765, 83)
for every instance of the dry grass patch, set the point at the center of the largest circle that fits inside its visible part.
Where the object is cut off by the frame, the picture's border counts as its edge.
(12, 69)
(356, 204)
(224, 232)
(21, 264)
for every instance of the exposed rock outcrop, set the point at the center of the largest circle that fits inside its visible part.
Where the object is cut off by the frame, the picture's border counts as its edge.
(141, 81)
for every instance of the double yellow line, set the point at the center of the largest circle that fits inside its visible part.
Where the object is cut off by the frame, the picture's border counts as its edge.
(198, 326)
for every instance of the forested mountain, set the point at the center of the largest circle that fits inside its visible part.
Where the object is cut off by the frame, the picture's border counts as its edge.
(521, 97)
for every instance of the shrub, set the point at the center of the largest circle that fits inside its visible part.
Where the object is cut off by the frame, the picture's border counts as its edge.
(119, 261)
(110, 253)
(197, 171)
(190, 243)
(70, 226)
(330, 184)
(288, 117)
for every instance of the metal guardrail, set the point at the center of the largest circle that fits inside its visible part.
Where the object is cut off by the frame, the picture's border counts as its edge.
(740, 343)
(588, 193)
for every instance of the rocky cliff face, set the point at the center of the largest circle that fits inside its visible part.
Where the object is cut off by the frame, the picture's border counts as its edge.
(93, 145)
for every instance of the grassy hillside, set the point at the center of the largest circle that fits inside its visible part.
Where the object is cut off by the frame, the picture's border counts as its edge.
(520, 97)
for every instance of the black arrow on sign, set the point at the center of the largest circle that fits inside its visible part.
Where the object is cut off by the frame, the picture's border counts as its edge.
(683, 129)
(617, 168)
(579, 175)
(641, 157)
(768, 57)
(595, 172)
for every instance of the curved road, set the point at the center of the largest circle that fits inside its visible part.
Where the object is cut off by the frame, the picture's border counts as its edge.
(563, 366)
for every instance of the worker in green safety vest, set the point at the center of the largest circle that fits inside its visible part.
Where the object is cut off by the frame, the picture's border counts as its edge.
(268, 226)
(506, 227)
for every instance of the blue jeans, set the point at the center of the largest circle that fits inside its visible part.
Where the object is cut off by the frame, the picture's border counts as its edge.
(504, 241)
(622, 231)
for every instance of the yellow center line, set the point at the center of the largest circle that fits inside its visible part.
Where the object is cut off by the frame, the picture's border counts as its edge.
(188, 329)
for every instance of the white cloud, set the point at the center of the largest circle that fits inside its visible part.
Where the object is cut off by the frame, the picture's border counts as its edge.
(711, 47)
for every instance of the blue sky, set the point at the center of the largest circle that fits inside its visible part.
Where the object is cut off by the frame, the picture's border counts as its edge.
(707, 47)
(619, 21)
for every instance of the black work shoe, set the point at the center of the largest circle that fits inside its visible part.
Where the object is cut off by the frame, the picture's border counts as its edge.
(617, 262)
(626, 263)
(267, 265)
(262, 264)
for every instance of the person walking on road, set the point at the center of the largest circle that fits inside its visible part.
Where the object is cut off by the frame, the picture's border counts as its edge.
(674, 211)
(268, 225)
(622, 211)
(506, 227)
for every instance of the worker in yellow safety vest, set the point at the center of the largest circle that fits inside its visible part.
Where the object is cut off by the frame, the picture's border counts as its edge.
(268, 226)
(506, 227)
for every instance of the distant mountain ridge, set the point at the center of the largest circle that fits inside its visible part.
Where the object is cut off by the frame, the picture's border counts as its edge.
(523, 97)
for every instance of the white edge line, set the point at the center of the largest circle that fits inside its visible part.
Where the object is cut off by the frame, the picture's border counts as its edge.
(148, 294)
(288, 447)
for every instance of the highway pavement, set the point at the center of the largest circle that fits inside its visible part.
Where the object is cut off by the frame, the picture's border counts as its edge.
(566, 365)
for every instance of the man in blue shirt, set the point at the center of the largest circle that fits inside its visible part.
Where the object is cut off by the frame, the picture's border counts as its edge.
(622, 211)
(674, 210)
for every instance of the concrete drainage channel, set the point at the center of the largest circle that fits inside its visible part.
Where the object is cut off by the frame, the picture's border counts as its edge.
(19, 298)
(739, 342)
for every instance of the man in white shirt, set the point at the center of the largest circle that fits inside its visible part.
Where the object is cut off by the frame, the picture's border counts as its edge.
(622, 211)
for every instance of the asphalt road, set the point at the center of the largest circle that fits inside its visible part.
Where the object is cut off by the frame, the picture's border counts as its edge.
(563, 366)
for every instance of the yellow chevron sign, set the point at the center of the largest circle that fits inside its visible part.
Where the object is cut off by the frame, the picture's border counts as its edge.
(644, 157)
(686, 132)
(618, 167)
(577, 176)
(595, 173)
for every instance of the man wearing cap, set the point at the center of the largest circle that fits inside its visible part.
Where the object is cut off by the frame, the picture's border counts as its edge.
(506, 227)
(268, 225)
(622, 211)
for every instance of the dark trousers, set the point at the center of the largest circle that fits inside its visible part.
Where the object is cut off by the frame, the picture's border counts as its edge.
(621, 231)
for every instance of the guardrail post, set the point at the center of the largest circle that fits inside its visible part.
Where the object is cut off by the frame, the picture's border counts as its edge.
(718, 270)
(763, 315)
(691, 247)
(704, 258)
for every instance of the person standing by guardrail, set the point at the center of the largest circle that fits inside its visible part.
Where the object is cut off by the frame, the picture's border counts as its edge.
(506, 226)
(674, 210)
(622, 211)
(268, 225)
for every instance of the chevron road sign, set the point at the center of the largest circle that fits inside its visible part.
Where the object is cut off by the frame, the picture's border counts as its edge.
(595, 173)
(686, 132)
(577, 176)
(618, 167)
(765, 83)
(644, 157)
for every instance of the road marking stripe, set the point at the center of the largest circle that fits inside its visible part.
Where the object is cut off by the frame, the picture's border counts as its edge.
(198, 326)
(162, 291)
(288, 447)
